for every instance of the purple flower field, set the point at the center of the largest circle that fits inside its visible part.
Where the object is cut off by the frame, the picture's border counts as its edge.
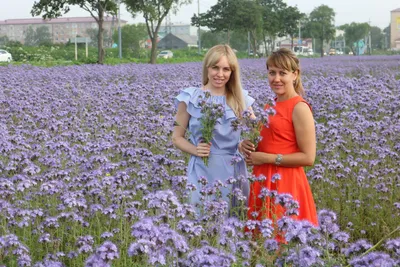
(89, 175)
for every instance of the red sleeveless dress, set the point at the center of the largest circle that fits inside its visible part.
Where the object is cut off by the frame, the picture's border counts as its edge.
(280, 138)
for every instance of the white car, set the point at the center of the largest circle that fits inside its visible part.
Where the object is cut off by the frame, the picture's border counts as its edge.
(5, 56)
(165, 54)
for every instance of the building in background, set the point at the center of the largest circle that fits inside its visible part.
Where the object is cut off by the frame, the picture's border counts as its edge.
(395, 29)
(183, 35)
(178, 29)
(61, 29)
(287, 43)
(177, 41)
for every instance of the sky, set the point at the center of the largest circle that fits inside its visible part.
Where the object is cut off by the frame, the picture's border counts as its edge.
(377, 12)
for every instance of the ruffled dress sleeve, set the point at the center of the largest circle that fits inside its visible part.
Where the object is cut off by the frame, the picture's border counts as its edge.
(190, 96)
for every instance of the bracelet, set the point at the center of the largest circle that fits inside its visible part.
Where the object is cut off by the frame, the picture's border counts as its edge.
(278, 159)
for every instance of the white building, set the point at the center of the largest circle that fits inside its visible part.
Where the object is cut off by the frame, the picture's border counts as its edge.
(61, 29)
(178, 29)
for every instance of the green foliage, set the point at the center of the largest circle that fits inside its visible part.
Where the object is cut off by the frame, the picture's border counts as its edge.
(321, 24)
(3, 40)
(96, 8)
(55, 8)
(133, 37)
(210, 39)
(93, 35)
(61, 55)
(377, 38)
(273, 17)
(154, 13)
(387, 33)
(238, 39)
(13, 44)
(220, 17)
(291, 18)
(263, 19)
(249, 19)
(353, 33)
(38, 36)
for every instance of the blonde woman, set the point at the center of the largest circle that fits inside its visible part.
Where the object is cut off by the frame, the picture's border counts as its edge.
(221, 77)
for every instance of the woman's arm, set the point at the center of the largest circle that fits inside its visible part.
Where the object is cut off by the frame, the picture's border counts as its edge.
(304, 128)
(178, 135)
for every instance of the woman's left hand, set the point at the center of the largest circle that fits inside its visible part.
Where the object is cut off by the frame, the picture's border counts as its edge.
(255, 158)
(246, 148)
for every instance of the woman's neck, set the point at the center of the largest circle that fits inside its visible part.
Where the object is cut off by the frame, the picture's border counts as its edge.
(284, 97)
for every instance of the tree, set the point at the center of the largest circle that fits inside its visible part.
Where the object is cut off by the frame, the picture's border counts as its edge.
(239, 40)
(96, 8)
(133, 36)
(154, 12)
(210, 38)
(386, 31)
(220, 17)
(43, 36)
(30, 37)
(94, 33)
(377, 38)
(3, 40)
(248, 19)
(321, 24)
(353, 33)
(273, 21)
(292, 17)
(40, 36)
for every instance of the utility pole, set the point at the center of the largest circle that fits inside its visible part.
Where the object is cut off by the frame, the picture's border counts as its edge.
(198, 29)
(119, 30)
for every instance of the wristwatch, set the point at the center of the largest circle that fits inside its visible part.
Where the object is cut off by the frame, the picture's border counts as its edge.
(278, 159)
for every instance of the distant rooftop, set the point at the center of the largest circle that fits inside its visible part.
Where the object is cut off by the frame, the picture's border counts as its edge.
(177, 24)
(54, 21)
(189, 39)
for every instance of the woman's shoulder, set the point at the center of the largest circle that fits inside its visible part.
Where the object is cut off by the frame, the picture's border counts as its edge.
(300, 101)
(188, 94)
(190, 97)
(190, 90)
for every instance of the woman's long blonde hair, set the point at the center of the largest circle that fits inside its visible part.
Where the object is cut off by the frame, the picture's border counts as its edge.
(234, 92)
(285, 59)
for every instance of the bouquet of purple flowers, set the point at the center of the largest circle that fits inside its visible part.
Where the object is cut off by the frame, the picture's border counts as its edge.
(211, 113)
(251, 126)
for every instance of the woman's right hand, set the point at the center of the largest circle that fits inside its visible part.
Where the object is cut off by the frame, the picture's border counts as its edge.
(246, 147)
(203, 149)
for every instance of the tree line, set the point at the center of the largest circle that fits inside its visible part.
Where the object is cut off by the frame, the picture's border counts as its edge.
(263, 20)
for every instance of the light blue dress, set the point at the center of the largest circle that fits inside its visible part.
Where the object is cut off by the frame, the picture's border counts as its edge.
(224, 146)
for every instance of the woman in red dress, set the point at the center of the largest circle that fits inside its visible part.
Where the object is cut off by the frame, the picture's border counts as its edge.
(287, 145)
